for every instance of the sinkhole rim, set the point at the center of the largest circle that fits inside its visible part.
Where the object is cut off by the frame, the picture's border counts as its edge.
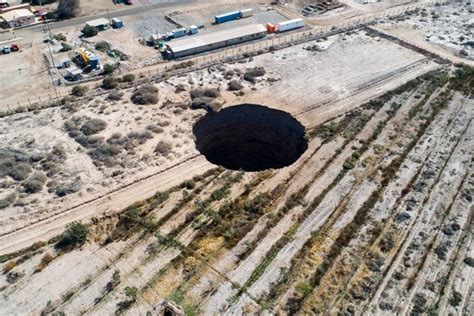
(250, 137)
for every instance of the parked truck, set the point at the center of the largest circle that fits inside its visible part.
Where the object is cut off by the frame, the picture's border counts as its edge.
(290, 25)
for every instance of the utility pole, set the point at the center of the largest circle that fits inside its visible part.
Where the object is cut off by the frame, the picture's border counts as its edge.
(52, 59)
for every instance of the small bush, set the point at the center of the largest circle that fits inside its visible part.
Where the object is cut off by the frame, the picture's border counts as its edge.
(74, 235)
(9, 266)
(146, 94)
(253, 73)
(142, 136)
(128, 78)
(89, 31)
(234, 85)
(155, 129)
(65, 47)
(110, 83)
(60, 37)
(79, 91)
(8, 200)
(93, 126)
(163, 148)
(20, 172)
(180, 88)
(108, 69)
(35, 182)
(207, 103)
(115, 95)
(47, 258)
(102, 46)
(131, 294)
(207, 92)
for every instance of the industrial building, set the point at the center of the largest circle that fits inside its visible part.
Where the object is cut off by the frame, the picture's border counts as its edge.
(101, 23)
(206, 42)
(18, 18)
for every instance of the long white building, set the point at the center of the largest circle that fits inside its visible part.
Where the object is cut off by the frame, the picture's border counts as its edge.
(206, 42)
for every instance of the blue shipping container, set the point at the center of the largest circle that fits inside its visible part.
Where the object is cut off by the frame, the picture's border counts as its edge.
(230, 16)
(94, 62)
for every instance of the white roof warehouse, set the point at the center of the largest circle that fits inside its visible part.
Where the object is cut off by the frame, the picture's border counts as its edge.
(18, 17)
(205, 42)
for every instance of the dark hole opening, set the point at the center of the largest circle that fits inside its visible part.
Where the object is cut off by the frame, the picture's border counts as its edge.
(250, 137)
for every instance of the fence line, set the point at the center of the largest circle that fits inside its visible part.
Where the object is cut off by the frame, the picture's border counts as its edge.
(163, 70)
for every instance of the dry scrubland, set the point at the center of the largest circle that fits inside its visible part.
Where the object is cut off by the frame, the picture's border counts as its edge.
(374, 218)
(449, 27)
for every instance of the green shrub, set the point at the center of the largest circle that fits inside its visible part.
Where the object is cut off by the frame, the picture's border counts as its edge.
(128, 78)
(115, 95)
(102, 46)
(74, 235)
(234, 85)
(253, 73)
(89, 31)
(79, 91)
(163, 148)
(65, 47)
(110, 83)
(146, 94)
(60, 37)
(205, 92)
(108, 69)
(93, 126)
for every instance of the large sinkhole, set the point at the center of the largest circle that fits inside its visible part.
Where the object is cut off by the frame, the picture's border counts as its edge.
(250, 137)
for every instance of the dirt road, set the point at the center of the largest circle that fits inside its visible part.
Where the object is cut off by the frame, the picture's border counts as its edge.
(114, 202)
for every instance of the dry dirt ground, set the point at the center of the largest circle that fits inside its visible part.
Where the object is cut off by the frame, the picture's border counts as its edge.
(447, 28)
(291, 85)
(374, 218)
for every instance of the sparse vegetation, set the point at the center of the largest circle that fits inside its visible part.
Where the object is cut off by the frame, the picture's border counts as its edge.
(252, 74)
(146, 94)
(128, 78)
(205, 99)
(234, 85)
(89, 31)
(109, 69)
(110, 83)
(131, 294)
(115, 95)
(74, 235)
(79, 91)
(67, 9)
(163, 148)
(45, 260)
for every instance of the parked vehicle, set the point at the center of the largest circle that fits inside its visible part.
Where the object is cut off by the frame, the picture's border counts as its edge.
(6, 50)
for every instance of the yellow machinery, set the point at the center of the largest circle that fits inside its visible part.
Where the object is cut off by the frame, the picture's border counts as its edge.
(85, 55)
